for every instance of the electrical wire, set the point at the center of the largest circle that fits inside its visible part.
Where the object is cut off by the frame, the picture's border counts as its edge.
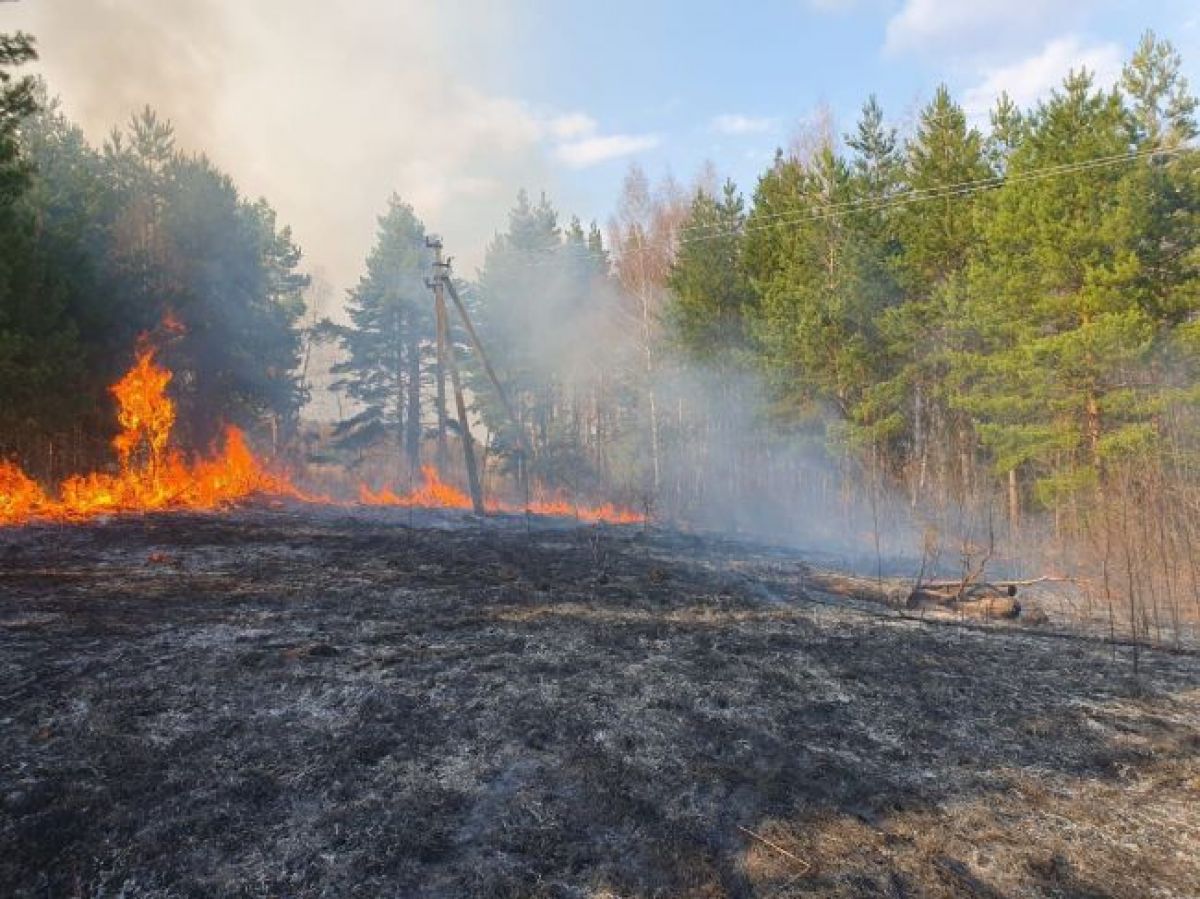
(881, 204)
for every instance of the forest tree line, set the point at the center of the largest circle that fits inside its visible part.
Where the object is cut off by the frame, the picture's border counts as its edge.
(962, 305)
(1002, 318)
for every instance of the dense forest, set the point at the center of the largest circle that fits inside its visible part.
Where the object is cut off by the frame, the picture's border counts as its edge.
(959, 336)
(994, 329)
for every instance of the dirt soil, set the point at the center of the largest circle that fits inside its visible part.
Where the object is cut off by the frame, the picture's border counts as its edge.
(304, 703)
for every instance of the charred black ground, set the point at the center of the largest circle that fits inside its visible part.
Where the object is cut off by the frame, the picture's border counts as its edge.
(312, 703)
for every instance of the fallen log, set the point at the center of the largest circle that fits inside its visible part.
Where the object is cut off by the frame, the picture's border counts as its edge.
(979, 600)
(996, 605)
(952, 596)
(860, 588)
(992, 607)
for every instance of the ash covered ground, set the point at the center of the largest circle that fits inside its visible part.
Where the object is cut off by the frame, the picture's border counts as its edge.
(312, 702)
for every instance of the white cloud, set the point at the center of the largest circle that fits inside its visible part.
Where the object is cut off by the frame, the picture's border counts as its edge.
(1032, 78)
(979, 29)
(1023, 47)
(572, 126)
(577, 143)
(589, 151)
(736, 124)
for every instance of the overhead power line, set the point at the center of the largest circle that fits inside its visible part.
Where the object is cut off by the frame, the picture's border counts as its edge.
(941, 190)
(825, 211)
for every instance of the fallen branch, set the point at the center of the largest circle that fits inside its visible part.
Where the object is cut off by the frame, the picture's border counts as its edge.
(1045, 579)
(797, 859)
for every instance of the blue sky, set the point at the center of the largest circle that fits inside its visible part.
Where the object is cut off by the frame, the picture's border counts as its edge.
(729, 82)
(326, 108)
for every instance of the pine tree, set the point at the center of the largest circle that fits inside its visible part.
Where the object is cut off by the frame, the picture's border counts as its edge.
(712, 297)
(937, 232)
(877, 164)
(39, 347)
(229, 274)
(877, 177)
(522, 309)
(391, 329)
(540, 308)
(1163, 109)
(73, 322)
(1061, 307)
(814, 320)
(17, 102)
(1008, 130)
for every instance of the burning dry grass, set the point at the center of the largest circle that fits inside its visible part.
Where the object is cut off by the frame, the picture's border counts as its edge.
(315, 703)
(434, 493)
(153, 475)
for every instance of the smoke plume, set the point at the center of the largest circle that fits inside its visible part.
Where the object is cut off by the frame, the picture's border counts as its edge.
(323, 108)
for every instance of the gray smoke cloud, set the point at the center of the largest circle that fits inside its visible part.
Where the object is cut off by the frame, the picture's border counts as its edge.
(323, 108)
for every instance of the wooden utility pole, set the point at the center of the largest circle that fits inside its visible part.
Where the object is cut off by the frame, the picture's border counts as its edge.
(441, 277)
(443, 455)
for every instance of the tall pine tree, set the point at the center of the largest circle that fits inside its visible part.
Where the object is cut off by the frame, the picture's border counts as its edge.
(391, 331)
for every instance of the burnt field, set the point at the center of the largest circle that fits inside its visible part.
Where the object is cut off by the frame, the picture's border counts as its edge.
(317, 703)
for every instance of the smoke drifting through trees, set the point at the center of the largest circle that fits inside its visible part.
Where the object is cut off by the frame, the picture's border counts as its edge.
(606, 398)
(964, 344)
(930, 345)
(104, 244)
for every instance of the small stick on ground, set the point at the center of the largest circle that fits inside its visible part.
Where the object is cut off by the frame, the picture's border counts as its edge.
(797, 859)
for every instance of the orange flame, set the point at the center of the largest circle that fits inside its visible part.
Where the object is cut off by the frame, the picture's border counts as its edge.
(20, 497)
(433, 493)
(151, 475)
(437, 494)
(607, 513)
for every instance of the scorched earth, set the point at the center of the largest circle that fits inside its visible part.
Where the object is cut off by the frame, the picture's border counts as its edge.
(310, 701)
